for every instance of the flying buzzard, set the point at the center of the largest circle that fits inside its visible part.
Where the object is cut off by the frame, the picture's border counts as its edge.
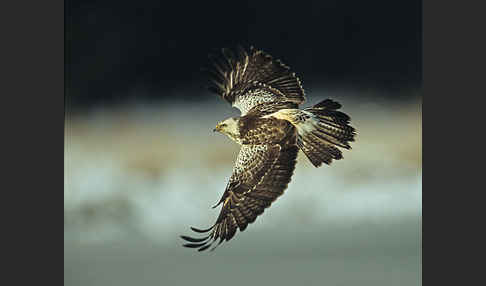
(270, 130)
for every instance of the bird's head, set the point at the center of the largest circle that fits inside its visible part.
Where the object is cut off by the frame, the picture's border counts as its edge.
(228, 127)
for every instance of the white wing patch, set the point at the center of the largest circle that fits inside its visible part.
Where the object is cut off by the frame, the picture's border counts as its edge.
(247, 101)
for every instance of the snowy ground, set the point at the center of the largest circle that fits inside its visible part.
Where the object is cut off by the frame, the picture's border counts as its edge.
(139, 175)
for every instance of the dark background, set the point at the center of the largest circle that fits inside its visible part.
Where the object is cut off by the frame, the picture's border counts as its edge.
(114, 48)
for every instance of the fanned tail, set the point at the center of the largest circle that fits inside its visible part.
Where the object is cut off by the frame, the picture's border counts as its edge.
(323, 130)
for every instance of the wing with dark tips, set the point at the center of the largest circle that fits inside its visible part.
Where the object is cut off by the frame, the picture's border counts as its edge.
(260, 176)
(246, 78)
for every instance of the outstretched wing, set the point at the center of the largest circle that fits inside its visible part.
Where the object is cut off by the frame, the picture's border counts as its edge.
(248, 78)
(260, 176)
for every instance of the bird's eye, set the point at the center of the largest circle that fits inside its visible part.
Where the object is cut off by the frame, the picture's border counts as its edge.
(223, 125)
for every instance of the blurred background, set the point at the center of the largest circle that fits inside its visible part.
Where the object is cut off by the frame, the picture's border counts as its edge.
(142, 163)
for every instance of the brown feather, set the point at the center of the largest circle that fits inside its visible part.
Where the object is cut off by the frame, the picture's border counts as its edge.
(262, 87)
(236, 73)
(330, 131)
(265, 170)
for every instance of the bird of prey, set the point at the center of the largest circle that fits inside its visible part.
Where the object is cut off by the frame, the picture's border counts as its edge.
(270, 130)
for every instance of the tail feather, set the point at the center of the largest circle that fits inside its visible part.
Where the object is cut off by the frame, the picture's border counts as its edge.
(323, 131)
(314, 155)
(328, 104)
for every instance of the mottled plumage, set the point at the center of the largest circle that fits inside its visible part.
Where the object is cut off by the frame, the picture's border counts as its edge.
(249, 78)
(270, 130)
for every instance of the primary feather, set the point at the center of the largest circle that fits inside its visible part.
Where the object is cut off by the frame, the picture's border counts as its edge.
(270, 130)
(249, 78)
